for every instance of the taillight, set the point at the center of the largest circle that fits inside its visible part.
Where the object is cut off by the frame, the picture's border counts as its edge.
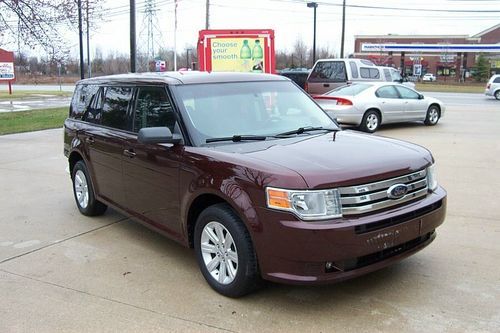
(488, 86)
(306, 87)
(340, 100)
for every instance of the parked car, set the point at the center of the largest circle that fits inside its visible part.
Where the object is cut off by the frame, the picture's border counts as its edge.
(297, 75)
(368, 105)
(328, 74)
(251, 173)
(429, 77)
(493, 87)
(391, 74)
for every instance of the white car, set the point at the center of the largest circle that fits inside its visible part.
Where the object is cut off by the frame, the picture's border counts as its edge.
(429, 77)
(370, 104)
(493, 87)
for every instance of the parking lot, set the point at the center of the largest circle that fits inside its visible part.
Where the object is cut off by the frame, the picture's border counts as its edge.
(62, 271)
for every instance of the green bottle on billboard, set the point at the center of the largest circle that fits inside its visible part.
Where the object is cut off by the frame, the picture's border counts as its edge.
(257, 51)
(245, 52)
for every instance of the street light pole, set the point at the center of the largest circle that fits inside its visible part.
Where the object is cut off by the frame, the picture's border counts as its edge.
(187, 58)
(80, 38)
(343, 31)
(132, 37)
(313, 5)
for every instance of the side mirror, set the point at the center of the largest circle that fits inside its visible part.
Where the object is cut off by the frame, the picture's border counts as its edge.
(157, 135)
(420, 96)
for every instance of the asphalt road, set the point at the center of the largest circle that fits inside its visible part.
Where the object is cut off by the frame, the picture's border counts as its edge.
(63, 272)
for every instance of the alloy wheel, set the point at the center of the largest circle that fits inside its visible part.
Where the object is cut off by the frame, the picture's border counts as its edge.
(81, 189)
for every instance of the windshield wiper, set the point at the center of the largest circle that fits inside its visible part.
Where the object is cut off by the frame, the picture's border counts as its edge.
(301, 130)
(237, 138)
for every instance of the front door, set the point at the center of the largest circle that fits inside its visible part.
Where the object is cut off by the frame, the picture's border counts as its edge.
(389, 104)
(151, 171)
(415, 108)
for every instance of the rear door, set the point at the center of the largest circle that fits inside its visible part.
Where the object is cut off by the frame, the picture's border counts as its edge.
(390, 104)
(326, 75)
(151, 171)
(104, 138)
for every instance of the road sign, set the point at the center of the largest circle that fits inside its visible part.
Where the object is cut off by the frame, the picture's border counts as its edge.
(417, 70)
(7, 71)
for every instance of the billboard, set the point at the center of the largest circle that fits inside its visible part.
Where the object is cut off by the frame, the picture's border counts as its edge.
(237, 55)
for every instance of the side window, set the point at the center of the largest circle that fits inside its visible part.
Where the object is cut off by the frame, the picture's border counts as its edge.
(93, 112)
(407, 93)
(369, 73)
(387, 75)
(115, 105)
(329, 71)
(354, 69)
(81, 99)
(387, 92)
(153, 109)
(497, 80)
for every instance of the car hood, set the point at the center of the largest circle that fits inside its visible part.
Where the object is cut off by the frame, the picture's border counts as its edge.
(351, 158)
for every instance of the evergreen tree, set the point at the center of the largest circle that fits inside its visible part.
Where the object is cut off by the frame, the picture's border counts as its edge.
(482, 69)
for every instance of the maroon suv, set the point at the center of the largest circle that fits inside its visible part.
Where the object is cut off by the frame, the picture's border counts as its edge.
(248, 170)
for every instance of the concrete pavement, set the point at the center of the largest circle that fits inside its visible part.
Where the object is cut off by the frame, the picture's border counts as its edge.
(63, 272)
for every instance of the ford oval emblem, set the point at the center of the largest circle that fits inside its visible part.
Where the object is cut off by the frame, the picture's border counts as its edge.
(397, 191)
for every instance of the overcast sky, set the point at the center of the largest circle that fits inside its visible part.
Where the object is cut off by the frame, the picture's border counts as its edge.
(291, 19)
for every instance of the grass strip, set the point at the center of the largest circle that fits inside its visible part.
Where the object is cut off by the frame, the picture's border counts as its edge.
(34, 120)
(32, 94)
(450, 88)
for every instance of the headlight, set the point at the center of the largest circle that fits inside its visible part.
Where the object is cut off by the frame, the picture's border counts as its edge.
(432, 183)
(307, 205)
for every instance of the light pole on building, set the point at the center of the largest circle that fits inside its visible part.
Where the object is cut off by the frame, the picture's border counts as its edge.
(313, 5)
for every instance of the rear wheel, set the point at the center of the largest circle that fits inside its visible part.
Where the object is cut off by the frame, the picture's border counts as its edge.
(432, 116)
(497, 94)
(371, 121)
(84, 191)
(225, 252)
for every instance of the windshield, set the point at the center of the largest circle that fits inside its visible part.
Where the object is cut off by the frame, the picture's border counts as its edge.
(349, 90)
(248, 109)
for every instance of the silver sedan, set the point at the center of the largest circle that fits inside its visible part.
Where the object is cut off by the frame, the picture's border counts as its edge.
(368, 105)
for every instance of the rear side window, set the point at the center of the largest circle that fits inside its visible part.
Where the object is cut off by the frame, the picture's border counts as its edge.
(115, 106)
(387, 92)
(329, 71)
(81, 99)
(354, 69)
(153, 109)
(497, 80)
(369, 73)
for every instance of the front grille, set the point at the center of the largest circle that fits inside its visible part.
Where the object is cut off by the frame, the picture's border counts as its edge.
(361, 199)
(361, 229)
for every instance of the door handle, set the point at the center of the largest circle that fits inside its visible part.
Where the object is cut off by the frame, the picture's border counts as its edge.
(129, 153)
(89, 140)
(326, 85)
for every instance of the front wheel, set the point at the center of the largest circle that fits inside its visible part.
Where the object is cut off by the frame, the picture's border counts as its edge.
(432, 116)
(225, 252)
(497, 94)
(371, 121)
(84, 191)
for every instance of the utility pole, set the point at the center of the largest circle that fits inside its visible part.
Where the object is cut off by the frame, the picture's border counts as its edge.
(343, 31)
(187, 58)
(132, 36)
(89, 68)
(80, 37)
(207, 16)
(313, 5)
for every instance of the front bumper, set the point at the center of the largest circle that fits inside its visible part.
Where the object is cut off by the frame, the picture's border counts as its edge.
(296, 252)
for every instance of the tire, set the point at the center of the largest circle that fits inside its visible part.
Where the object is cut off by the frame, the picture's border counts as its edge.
(235, 252)
(83, 191)
(433, 115)
(497, 94)
(370, 122)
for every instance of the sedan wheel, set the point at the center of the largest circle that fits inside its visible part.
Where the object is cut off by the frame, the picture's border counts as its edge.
(497, 94)
(432, 116)
(225, 252)
(370, 122)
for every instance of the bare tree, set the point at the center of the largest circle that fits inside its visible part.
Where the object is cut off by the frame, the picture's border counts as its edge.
(299, 53)
(41, 22)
